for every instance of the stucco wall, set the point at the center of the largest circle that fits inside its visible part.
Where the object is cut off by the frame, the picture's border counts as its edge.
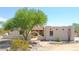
(59, 32)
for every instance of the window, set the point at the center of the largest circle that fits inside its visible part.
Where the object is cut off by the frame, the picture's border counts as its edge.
(56, 29)
(62, 29)
(51, 33)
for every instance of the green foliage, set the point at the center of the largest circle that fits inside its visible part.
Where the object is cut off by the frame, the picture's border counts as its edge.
(9, 25)
(18, 44)
(76, 27)
(26, 19)
(58, 39)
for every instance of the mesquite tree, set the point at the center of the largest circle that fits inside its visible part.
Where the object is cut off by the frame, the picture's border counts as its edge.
(26, 19)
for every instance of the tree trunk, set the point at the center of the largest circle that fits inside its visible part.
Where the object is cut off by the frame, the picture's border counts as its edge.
(25, 35)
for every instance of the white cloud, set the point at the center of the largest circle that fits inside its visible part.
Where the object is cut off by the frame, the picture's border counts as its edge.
(3, 19)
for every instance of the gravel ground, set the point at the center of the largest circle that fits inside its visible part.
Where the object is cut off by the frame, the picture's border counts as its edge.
(46, 46)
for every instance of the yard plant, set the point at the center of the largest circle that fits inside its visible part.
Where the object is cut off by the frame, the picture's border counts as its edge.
(18, 44)
(58, 39)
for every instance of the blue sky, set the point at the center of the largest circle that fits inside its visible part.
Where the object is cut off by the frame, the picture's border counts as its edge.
(57, 16)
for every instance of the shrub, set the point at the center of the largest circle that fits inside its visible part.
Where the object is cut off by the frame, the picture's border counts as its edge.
(2, 31)
(18, 44)
(58, 39)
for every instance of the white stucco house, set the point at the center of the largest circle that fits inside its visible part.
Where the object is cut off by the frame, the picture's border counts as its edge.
(52, 33)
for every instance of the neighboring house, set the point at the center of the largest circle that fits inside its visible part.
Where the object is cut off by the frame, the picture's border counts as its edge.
(12, 35)
(52, 33)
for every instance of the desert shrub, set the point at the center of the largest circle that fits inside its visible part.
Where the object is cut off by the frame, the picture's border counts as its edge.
(18, 44)
(58, 39)
(2, 31)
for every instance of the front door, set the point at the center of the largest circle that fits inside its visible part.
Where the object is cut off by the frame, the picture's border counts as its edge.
(69, 34)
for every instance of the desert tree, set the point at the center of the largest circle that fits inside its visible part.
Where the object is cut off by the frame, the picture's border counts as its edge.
(25, 19)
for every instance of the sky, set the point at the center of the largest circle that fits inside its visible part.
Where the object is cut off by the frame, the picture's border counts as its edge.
(57, 16)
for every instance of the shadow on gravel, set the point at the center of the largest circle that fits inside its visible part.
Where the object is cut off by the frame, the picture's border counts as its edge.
(4, 44)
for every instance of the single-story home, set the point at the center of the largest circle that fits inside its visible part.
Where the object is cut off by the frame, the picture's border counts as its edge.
(54, 33)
